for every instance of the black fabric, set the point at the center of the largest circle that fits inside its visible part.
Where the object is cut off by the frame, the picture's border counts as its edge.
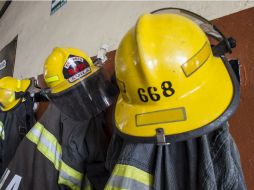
(207, 162)
(86, 99)
(97, 144)
(16, 122)
(84, 147)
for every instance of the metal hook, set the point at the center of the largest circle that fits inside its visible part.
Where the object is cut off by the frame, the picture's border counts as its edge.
(161, 140)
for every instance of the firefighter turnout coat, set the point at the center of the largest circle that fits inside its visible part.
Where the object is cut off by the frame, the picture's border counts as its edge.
(14, 124)
(59, 153)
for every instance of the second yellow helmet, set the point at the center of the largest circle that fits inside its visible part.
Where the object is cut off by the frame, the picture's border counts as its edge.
(9, 86)
(65, 67)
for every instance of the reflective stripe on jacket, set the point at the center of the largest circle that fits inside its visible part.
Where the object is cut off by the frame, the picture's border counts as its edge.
(129, 177)
(48, 145)
(57, 153)
(207, 162)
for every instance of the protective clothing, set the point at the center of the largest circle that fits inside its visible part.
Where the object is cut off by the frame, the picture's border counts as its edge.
(59, 153)
(170, 80)
(9, 89)
(207, 162)
(77, 87)
(66, 149)
(16, 117)
(175, 97)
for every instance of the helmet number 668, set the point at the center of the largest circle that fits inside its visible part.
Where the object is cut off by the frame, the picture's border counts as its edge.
(166, 89)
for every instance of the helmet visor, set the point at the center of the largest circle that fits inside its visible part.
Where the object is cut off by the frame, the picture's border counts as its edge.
(87, 98)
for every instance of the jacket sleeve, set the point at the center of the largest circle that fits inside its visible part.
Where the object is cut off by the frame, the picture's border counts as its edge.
(32, 167)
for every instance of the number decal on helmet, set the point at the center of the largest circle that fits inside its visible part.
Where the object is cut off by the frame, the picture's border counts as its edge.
(167, 88)
(153, 96)
(142, 97)
(167, 91)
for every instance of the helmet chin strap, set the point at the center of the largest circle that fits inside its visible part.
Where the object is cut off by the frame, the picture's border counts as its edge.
(225, 46)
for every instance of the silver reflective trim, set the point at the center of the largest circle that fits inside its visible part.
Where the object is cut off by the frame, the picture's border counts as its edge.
(36, 132)
(14, 184)
(4, 177)
(69, 178)
(127, 183)
(51, 147)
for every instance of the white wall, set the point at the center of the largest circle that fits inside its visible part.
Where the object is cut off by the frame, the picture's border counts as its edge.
(85, 25)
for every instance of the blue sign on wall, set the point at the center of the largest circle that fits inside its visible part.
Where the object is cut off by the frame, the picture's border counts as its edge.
(56, 4)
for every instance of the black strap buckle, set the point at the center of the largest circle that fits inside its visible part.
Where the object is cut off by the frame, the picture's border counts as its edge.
(225, 46)
(22, 131)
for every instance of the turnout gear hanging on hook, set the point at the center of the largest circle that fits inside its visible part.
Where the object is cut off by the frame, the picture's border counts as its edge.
(176, 96)
(16, 116)
(66, 149)
(207, 162)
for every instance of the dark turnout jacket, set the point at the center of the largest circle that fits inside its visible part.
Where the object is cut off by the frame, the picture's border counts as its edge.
(14, 124)
(59, 153)
(209, 162)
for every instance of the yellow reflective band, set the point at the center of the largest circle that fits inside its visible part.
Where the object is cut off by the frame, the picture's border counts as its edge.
(68, 183)
(31, 136)
(49, 154)
(2, 134)
(195, 62)
(36, 139)
(133, 173)
(52, 79)
(74, 173)
(161, 116)
(48, 145)
(110, 187)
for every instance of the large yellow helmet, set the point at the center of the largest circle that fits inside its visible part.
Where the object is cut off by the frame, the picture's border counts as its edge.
(9, 87)
(170, 81)
(66, 67)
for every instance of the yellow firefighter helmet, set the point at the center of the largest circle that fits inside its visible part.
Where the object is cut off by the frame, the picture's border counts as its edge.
(9, 86)
(170, 80)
